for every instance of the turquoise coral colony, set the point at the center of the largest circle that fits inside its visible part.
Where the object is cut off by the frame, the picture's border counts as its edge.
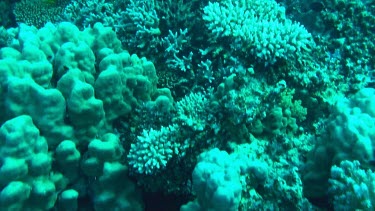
(191, 105)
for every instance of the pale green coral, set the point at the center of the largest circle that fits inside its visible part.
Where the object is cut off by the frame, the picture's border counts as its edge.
(217, 182)
(257, 27)
(192, 111)
(26, 164)
(153, 149)
(111, 187)
(77, 75)
(351, 187)
(349, 135)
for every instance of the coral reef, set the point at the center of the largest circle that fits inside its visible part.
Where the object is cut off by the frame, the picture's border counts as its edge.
(190, 105)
